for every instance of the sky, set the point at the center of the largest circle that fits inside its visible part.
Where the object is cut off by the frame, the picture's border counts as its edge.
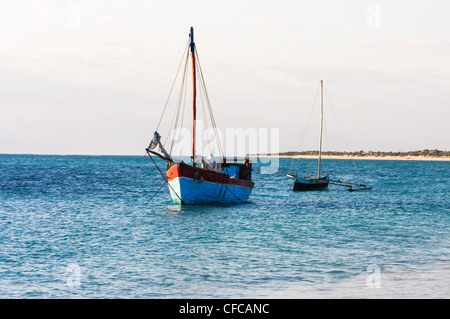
(92, 77)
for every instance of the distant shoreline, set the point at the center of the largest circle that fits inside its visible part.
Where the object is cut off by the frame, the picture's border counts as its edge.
(367, 157)
(443, 156)
(418, 155)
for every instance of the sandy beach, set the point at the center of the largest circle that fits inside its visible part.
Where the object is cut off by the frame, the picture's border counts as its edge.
(396, 158)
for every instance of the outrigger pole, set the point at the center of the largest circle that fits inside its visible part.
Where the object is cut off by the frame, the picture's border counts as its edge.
(363, 187)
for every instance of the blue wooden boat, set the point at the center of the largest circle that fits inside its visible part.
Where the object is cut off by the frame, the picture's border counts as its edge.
(208, 180)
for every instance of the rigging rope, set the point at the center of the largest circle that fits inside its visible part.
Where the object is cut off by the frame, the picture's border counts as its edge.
(184, 105)
(211, 114)
(164, 177)
(182, 113)
(226, 186)
(341, 131)
(181, 102)
(204, 105)
(175, 119)
(305, 129)
(156, 193)
(173, 84)
(205, 123)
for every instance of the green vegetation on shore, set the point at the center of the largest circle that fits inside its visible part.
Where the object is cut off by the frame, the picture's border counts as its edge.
(423, 153)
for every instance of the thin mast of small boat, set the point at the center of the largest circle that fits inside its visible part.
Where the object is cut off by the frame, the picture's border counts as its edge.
(321, 126)
(194, 94)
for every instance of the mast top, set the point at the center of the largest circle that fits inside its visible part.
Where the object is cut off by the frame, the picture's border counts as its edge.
(192, 45)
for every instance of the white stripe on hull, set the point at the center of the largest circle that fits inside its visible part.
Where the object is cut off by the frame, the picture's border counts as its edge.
(197, 192)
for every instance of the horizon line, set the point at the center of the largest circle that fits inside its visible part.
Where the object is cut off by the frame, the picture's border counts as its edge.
(249, 155)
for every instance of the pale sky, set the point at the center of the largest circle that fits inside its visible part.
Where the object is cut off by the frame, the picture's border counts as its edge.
(92, 77)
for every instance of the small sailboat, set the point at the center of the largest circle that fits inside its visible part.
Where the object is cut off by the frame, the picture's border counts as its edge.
(303, 183)
(208, 180)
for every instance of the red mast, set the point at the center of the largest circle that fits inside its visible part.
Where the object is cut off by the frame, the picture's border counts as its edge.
(194, 97)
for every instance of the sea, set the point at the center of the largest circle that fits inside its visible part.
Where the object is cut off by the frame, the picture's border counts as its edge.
(105, 227)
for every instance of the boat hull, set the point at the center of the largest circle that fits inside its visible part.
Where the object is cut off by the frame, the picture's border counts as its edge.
(190, 185)
(310, 185)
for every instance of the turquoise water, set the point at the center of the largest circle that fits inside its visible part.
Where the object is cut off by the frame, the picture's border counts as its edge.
(78, 227)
